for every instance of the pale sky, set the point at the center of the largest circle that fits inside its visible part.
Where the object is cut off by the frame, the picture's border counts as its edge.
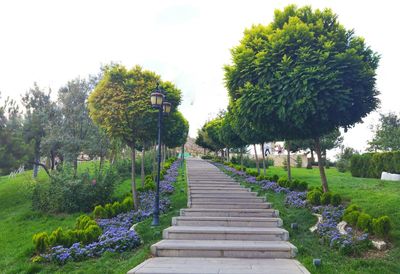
(186, 42)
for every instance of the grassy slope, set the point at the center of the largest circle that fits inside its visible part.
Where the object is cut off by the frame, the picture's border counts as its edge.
(19, 222)
(376, 197)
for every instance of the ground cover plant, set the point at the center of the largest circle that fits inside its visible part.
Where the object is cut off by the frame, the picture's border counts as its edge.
(365, 192)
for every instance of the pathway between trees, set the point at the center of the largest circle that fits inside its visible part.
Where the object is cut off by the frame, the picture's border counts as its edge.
(225, 229)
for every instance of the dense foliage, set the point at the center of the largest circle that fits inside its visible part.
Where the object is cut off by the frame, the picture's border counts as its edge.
(67, 192)
(371, 165)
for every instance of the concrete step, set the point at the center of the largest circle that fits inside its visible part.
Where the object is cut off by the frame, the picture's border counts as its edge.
(232, 204)
(222, 190)
(210, 212)
(227, 249)
(225, 233)
(215, 185)
(224, 194)
(240, 199)
(227, 221)
(211, 179)
(184, 265)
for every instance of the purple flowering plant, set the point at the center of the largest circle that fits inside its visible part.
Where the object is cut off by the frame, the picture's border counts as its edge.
(117, 235)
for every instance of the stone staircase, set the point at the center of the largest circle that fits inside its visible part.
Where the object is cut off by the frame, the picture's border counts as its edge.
(225, 227)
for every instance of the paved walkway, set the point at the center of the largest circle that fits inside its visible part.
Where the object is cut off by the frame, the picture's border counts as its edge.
(225, 229)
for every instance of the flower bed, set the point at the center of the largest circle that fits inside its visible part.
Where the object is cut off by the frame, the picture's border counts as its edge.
(350, 244)
(117, 235)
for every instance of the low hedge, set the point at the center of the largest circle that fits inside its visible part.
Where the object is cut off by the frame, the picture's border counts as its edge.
(86, 231)
(371, 165)
(380, 226)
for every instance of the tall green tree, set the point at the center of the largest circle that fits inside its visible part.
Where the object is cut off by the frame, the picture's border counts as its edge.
(39, 108)
(75, 126)
(120, 104)
(14, 151)
(387, 133)
(305, 74)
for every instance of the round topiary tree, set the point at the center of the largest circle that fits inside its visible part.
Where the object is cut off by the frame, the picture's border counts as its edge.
(303, 76)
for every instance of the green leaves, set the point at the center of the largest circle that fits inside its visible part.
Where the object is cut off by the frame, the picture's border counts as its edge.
(302, 76)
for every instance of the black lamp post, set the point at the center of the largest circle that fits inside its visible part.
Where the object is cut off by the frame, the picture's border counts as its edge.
(158, 101)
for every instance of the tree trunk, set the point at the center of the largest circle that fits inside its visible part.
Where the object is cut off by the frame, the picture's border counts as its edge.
(257, 163)
(227, 153)
(75, 165)
(133, 182)
(37, 160)
(101, 162)
(142, 168)
(312, 156)
(263, 157)
(321, 166)
(241, 159)
(289, 168)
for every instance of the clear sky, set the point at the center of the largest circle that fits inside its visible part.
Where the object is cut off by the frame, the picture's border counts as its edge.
(186, 42)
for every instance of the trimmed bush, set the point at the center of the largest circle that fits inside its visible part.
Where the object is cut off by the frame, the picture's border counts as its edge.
(41, 242)
(127, 204)
(302, 186)
(283, 182)
(351, 217)
(117, 208)
(260, 178)
(252, 173)
(275, 178)
(294, 184)
(99, 212)
(57, 237)
(336, 199)
(326, 198)
(314, 197)
(352, 207)
(381, 226)
(109, 210)
(364, 222)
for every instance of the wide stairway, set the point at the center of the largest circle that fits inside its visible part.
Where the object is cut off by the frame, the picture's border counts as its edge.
(225, 229)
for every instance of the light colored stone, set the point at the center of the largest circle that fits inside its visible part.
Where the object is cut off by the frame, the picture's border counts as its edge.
(342, 227)
(390, 176)
(380, 245)
(315, 227)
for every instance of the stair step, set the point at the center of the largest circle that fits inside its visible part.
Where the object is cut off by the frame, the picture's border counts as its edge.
(217, 248)
(218, 191)
(227, 221)
(241, 199)
(184, 265)
(224, 194)
(226, 233)
(226, 212)
(232, 204)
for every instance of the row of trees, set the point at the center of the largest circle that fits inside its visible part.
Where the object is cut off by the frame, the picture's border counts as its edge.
(301, 77)
(98, 117)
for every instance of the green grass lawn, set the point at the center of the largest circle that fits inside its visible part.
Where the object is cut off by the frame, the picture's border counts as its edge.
(376, 197)
(19, 222)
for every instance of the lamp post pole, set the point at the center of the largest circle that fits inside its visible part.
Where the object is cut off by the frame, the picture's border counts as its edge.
(156, 213)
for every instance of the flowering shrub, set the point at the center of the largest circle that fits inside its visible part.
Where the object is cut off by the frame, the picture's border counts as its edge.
(117, 235)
